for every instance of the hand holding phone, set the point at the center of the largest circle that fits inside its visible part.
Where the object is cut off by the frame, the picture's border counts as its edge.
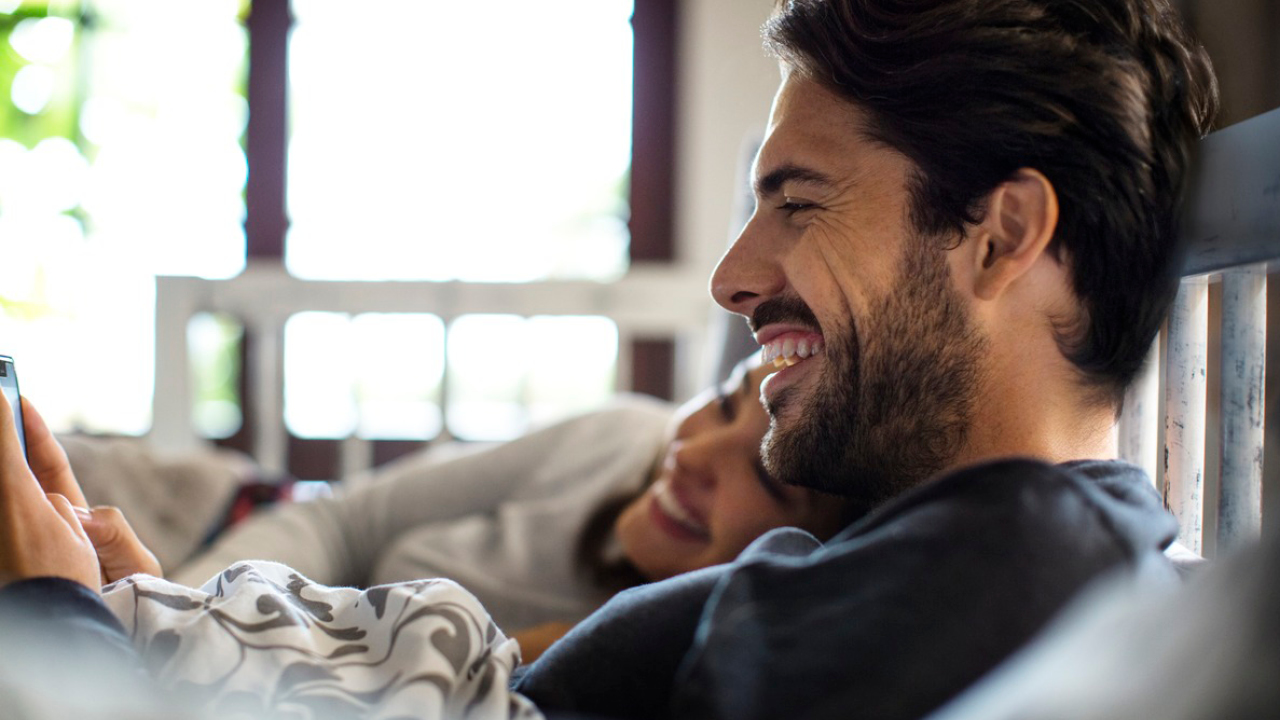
(40, 533)
(9, 382)
(119, 551)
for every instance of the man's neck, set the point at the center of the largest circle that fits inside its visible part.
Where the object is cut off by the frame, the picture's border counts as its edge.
(1055, 439)
(1048, 416)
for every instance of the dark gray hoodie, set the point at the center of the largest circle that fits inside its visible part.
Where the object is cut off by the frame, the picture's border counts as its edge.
(889, 619)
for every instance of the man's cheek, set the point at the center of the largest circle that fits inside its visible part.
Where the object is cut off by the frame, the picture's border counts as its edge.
(862, 283)
(825, 282)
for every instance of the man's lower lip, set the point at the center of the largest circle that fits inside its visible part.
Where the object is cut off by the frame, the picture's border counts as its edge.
(669, 525)
(774, 381)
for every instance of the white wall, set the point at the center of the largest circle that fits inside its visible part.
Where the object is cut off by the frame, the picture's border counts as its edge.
(726, 85)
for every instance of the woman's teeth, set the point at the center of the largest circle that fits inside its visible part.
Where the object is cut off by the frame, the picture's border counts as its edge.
(666, 499)
(788, 352)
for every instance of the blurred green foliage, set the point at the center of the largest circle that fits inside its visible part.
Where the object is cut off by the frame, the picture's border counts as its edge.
(61, 116)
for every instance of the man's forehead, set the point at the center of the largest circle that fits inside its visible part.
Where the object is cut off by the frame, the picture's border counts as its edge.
(813, 129)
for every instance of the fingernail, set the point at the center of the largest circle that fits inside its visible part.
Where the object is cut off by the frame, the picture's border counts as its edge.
(83, 513)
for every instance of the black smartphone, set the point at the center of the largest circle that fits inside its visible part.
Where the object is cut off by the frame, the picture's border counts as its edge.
(9, 381)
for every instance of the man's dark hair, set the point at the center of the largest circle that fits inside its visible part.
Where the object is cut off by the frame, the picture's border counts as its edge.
(1106, 98)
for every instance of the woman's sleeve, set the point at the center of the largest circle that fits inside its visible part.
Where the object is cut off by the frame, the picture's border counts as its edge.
(338, 540)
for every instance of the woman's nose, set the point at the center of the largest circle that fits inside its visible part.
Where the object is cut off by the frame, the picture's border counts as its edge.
(695, 459)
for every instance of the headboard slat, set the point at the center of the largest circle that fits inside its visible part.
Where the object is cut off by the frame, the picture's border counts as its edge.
(1244, 359)
(1184, 444)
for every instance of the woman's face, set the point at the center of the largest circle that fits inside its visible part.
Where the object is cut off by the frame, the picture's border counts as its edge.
(711, 496)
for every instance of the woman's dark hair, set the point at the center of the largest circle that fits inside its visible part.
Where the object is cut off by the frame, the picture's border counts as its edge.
(609, 573)
(1106, 98)
(612, 573)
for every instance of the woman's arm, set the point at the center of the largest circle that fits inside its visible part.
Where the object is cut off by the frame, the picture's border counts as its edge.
(340, 540)
(535, 640)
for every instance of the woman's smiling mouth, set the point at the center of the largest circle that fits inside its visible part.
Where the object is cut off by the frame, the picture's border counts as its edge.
(672, 515)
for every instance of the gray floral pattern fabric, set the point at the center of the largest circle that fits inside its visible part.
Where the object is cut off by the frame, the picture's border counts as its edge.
(260, 640)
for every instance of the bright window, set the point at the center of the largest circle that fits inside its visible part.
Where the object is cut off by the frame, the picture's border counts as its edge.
(508, 373)
(120, 159)
(375, 375)
(400, 366)
(415, 152)
(214, 344)
(383, 376)
(455, 140)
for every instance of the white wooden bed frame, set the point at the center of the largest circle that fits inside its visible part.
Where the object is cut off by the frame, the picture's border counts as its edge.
(648, 302)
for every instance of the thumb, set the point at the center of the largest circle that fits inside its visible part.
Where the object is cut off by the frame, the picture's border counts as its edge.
(120, 552)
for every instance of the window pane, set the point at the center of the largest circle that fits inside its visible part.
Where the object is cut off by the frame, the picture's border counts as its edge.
(214, 343)
(168, 171)
(399, 360)
(319, 375)
(486, 377)
(422, 150)
(580, 375)
(507, 373)
(376, 375)
(119, 160)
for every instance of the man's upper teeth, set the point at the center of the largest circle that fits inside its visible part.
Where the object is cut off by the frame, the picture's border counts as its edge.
(791, 351)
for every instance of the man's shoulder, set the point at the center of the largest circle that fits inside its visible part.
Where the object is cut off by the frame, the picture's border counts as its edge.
(1020, 495)
(1022, 483)
(961, 572)
(1004, 517)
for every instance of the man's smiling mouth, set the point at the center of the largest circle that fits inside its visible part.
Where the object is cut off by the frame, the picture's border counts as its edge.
(791, 348)
(787, 331)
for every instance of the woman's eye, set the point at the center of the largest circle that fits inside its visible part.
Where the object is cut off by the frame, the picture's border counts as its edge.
(725, 402)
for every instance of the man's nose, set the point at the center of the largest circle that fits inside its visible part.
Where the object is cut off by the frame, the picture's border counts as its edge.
(747, 274)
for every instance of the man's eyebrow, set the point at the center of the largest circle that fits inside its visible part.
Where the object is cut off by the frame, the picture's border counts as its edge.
(773, 182)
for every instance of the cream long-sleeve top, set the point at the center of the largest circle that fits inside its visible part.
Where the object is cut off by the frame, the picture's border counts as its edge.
(502, 521)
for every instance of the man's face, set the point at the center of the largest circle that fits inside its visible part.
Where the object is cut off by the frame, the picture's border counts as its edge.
(882, 360)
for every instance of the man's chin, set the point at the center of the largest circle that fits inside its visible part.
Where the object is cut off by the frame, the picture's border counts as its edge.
(793, 455)
(784, 404)
(816, 463)
(797, 449)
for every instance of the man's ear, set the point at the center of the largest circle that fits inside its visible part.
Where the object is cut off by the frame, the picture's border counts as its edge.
(1021, 217)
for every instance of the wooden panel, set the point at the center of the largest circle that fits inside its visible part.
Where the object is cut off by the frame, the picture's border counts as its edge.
(384, 451)
(314, 459)
(242, 439)
(1244, 317)
(266, 220)
(653, 367)
(1184, 449)
(653, 130)
(1234, 213)
(1139, 430)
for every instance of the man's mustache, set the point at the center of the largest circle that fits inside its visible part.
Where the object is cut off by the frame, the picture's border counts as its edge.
(782, 309)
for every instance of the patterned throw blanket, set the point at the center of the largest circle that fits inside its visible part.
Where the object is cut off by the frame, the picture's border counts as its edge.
(259, 640)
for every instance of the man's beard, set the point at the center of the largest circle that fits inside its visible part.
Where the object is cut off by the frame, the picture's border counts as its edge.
(889, 412)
